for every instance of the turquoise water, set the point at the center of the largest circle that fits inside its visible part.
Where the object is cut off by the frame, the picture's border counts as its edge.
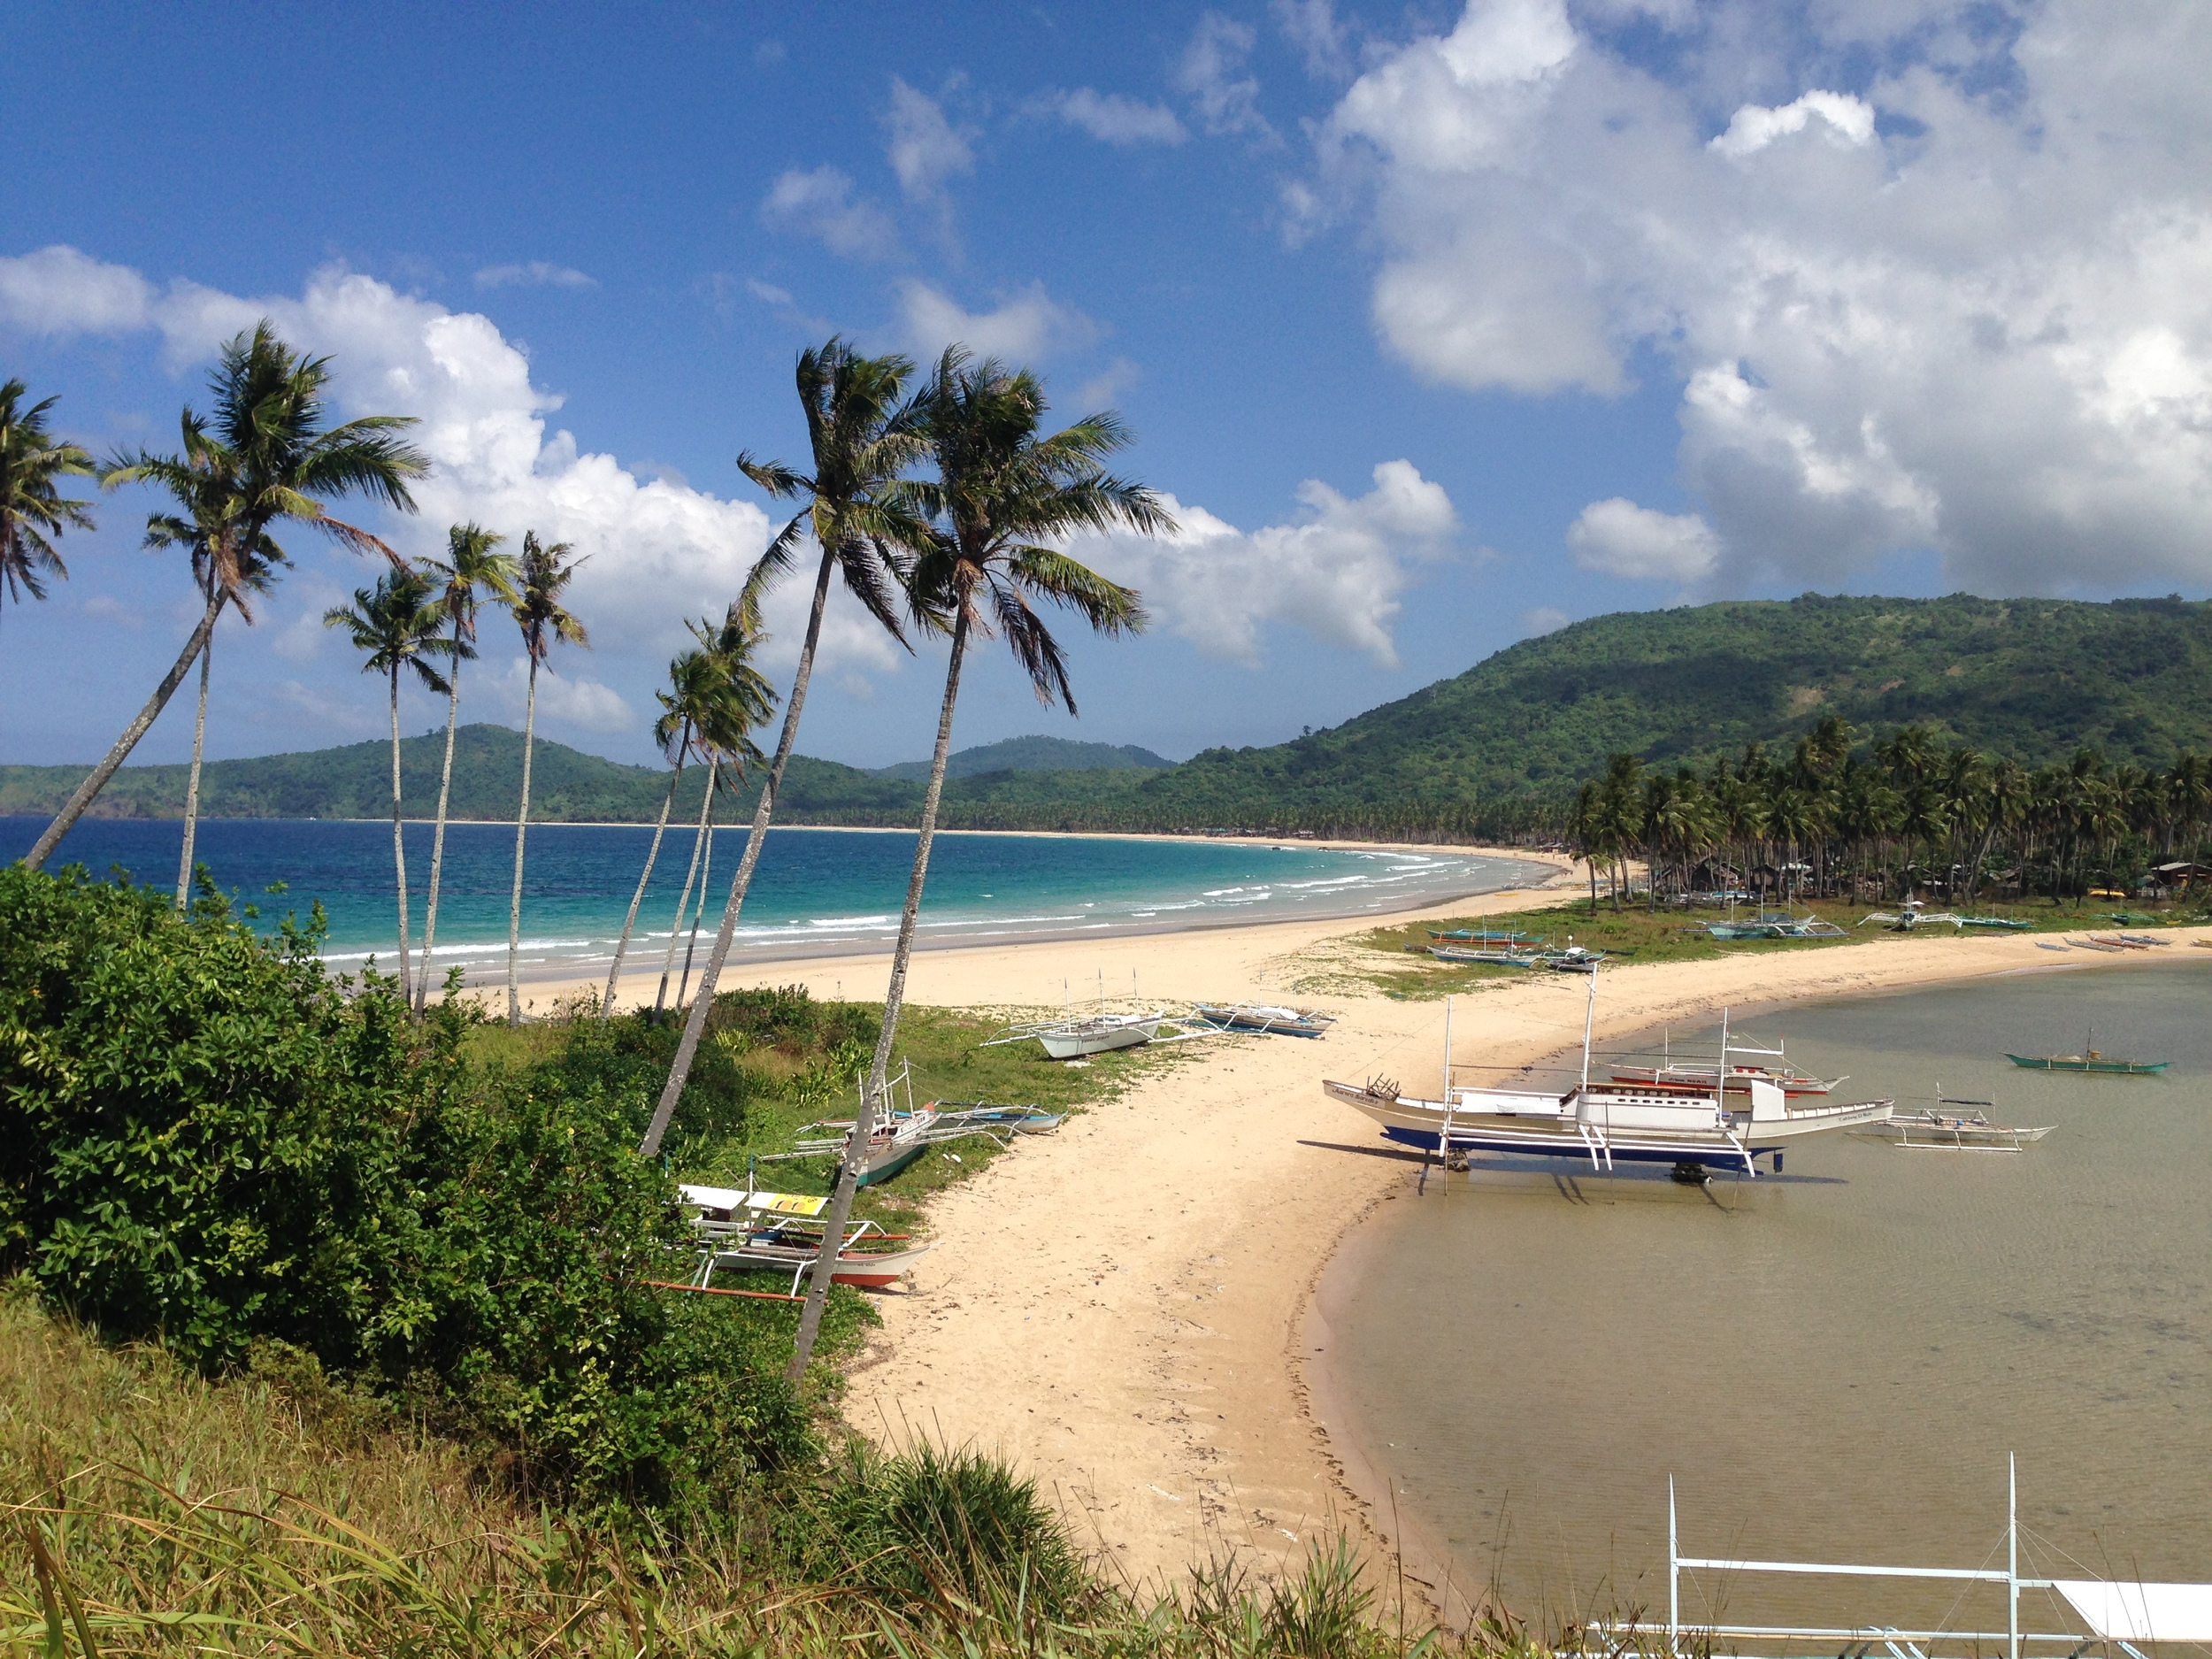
(1833, 1365)
(817, 891)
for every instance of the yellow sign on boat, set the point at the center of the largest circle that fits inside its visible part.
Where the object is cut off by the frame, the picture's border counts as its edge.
(786, 1203)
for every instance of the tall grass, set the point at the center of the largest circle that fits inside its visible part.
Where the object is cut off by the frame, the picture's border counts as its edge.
(145, 1510)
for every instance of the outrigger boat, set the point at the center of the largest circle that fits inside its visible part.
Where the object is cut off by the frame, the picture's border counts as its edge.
(781, 1232)
(2089, 1061)
(1699, 1075)
(1260, 1016)
(1605, 1122)
(1956, 1125)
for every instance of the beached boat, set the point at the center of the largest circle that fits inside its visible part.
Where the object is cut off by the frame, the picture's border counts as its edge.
(1499, 957)
(1575, 959)
(1097, 1033)
(781, 1232)
(1605, 1123)
(1481, 936)
(1266, 1019)
(2091, 1061)
(1767, 926)
(1955, 1125)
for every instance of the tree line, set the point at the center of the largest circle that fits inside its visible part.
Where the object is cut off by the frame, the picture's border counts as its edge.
(1904, 815)
(939, 500)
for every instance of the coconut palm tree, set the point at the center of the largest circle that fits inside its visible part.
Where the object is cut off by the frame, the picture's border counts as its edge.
(862, 438)
(694, 684)
(725, 732)
(32, 507)
(540, 576)
(472, 571)
(1004, 499)
(267, 447)
(396, 624)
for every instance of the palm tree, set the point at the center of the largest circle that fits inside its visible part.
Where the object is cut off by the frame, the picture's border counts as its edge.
(266, 450)
(396, 624)
(726, 729)
(540, 576)
(32, 507)
(1003, 497)
(862, 438)
(695, 683)
(473, 570)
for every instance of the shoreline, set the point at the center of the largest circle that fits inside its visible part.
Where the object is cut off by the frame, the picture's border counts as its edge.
(1125, 1308)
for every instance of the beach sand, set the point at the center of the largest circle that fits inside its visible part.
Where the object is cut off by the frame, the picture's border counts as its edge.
(1121, 1308)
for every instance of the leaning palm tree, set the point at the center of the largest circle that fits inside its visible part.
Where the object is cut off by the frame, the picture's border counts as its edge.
(267, 442)
(540, 576)
(397, 624)
(1004, 499)
(473, 570)
(32, 506)
(725, 732)
(695, 682)
(862, 438)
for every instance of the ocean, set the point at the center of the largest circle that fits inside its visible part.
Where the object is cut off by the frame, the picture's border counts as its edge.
(818, 892)
(1831, 1365)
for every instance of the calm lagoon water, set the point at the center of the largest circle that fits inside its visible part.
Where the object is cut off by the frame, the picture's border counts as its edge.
(1832, 1364)
(817, 891)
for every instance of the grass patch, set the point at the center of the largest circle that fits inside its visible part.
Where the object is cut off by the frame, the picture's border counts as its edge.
(1393, 959)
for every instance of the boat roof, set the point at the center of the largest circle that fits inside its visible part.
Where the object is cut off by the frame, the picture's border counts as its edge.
(2141, 1612)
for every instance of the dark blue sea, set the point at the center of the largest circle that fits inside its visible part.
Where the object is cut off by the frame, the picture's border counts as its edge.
(818, 892)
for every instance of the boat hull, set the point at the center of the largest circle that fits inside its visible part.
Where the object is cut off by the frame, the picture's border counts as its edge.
(2107, 1068)
(1076, 1044)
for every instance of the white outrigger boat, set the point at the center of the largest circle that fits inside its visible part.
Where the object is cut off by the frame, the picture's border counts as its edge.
(1607, 1122)
(1744, 1062)
(1955, 1125)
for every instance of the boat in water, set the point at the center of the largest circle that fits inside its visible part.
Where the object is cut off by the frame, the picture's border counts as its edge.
(1958, 1125)
(1607, 1122)
(2091, 1061)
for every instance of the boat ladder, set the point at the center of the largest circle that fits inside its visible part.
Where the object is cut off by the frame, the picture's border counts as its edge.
(1601, 1154)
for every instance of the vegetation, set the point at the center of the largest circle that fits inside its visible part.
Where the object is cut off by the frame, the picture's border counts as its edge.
(1902, 817)
(542, 574)
(33, 509)
(262, 459)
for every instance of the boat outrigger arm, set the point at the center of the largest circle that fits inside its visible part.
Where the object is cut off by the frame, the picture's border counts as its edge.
(1607, 1122)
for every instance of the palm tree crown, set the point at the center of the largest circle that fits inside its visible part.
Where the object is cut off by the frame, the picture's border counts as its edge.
(472, 571)
(540, 576)
(32, 507)
(396, 624)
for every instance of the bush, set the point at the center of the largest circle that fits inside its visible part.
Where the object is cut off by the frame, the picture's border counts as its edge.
(212, 1142)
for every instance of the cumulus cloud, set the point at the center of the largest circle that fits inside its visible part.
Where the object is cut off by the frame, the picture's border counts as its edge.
(1314, 29)
(1227, 101)
(819, 203)
(1337, 574)
(1029, 326)
(1541, 620)
(925, 148)
(655, 549)
(1961, 302)
(565, 696)
(59, 291)
(1113, 117)
(1621, 539)
(536, 274)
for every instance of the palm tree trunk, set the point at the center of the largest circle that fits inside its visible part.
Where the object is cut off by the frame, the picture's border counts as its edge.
(675, 931)
(192, 786)
(652, 857)
(437, 838)
(857, 1146)
(698, 915)
(695, 1027)
(399, 845)
(522, 827)
(85, 792)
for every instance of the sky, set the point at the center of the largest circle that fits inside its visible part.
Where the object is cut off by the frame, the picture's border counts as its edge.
(1438, 326)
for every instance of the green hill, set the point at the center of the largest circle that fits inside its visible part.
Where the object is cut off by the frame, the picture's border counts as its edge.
(1031, 754)
(1491, 751)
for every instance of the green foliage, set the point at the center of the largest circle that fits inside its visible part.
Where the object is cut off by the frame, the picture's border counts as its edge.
(213, 1143)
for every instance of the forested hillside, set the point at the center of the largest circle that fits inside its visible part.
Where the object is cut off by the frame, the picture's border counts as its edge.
(1495, 750)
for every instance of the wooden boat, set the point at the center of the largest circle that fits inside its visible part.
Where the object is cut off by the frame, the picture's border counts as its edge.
(1096, 1033)
(1481, 936)
(1260, 1016)
(1500, 958)
(1698, 1077)
(2119, 941)
(1955, 1125)
(1575, 959)
(2091, 1061)
(781, 1232)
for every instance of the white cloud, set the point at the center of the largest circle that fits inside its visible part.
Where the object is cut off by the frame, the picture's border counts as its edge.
(1621, 539)
(1964, 304)
(572, 698)
(59, 291)
(1108, 384)
(656, 550)
(1337, 574)
(820, 202)
(1027, 328)
(1541, 620)
(925, 148)
(1113, 117)
(108, 608)
(1314, 29)
(1227, 102)
(537, 274)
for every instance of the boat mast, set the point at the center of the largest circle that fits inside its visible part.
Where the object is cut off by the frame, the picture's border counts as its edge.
(1589, 1017)
(1447, 1053)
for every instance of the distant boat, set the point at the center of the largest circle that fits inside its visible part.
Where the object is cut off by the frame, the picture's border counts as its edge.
(2091, 1061)
(1945, 1126)
(1497, 956)
(1481, 935)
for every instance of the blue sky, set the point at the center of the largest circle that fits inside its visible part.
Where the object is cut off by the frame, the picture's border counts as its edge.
(1440, 325)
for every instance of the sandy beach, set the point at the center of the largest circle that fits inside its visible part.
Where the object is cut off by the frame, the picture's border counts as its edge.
(1123, 1309)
